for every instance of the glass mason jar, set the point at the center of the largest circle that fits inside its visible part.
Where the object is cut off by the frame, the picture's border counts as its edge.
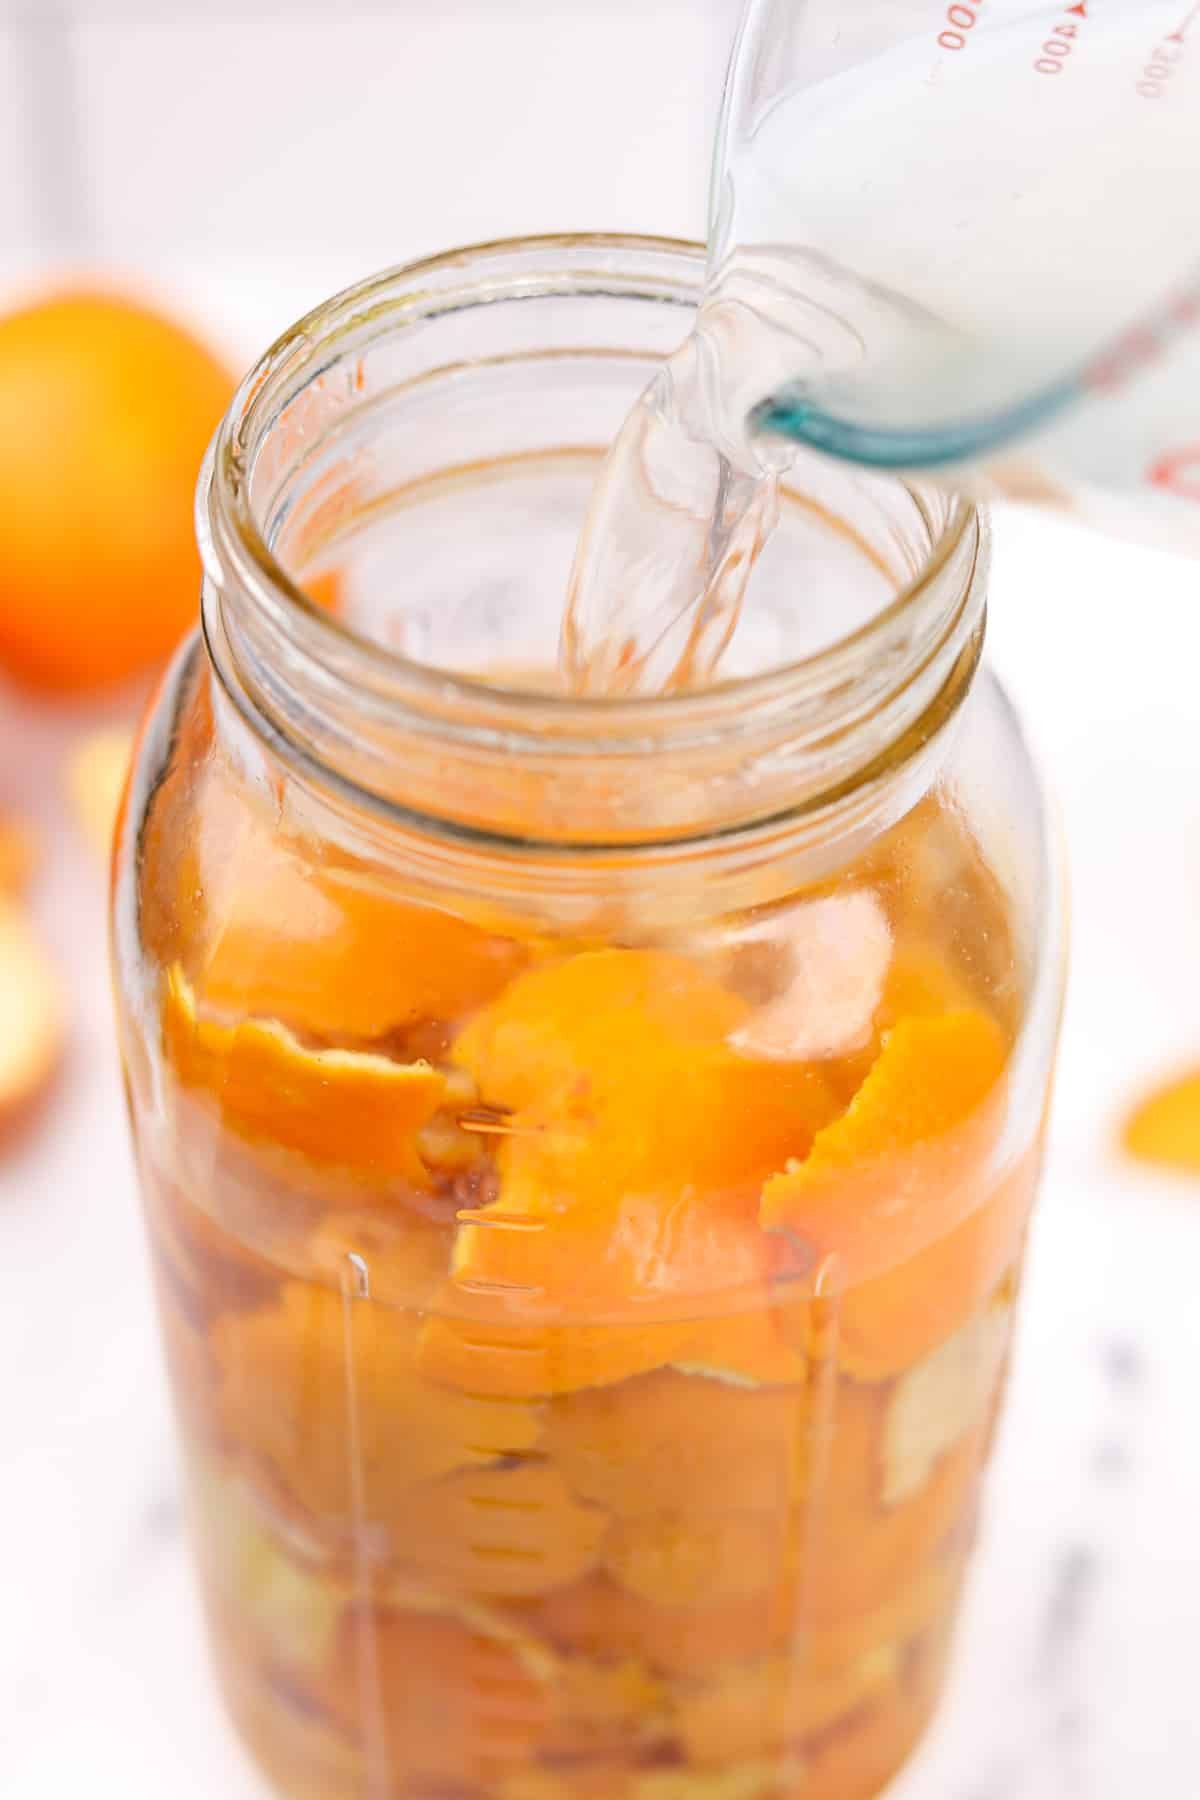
(587, 1145)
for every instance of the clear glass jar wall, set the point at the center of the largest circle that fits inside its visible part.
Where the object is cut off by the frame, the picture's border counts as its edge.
(587, 1148)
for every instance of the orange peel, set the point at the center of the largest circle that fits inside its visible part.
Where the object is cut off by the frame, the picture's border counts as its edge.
(633, 1141)
(1164, 1130)
(752, 1709)
(393, 1257)
(324, 1395)
(341, 1107)
(938, 1403)
(505, 1532)
(897, 1170)
(747, 1781)
(454, 1704)
(669, 1443)
(889, 1323)
(470, 1341)
(857, 1757)
(333, 956)
(668, 1560)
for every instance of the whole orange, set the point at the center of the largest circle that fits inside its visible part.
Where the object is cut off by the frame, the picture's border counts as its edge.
(106, 409)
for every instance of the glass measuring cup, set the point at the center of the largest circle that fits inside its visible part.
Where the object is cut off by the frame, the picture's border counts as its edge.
(986, 209)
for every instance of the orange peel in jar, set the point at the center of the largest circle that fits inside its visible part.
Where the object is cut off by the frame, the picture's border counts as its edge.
(455, 1704)
(334, 957)
(864, 1559)
(321, 1393)
(887, 1324)
(597, 1618)
(606, 1707)
(668, 1560)
(341, 1107)
(508, 1532)
(670, 1443)
(756, 1780)
(394, 1258)
(857, 1757)
(920, 984)
(943, 1399)
(472, 1345)
(895, 1171)
(631, 1140)
(754, 1708)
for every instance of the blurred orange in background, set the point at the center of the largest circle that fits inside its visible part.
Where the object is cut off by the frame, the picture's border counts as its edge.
(106, 410)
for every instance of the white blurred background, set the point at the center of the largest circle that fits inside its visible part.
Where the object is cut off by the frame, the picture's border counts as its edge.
(256, 155)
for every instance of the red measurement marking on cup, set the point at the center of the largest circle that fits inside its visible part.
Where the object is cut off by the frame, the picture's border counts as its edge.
(1178, 473)
(960, 19)
(1165, 60)
(1059, 45)
(1147, 342)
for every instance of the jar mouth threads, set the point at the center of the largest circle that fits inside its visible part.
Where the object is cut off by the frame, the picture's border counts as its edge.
(463, 754)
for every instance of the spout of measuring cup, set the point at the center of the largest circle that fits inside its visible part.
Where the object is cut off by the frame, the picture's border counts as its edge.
(797, 413)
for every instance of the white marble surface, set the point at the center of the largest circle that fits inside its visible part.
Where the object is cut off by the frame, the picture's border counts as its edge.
(1076, 1673)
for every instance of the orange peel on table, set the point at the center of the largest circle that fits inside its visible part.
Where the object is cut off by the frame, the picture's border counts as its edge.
(32, 1025)
(96, 779)
(1164, 1130)
(898, 1169)
(631, 1143)
(344, 1108)
(323, 1393)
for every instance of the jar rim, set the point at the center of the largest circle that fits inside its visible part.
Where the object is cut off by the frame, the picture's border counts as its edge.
(237, 555)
